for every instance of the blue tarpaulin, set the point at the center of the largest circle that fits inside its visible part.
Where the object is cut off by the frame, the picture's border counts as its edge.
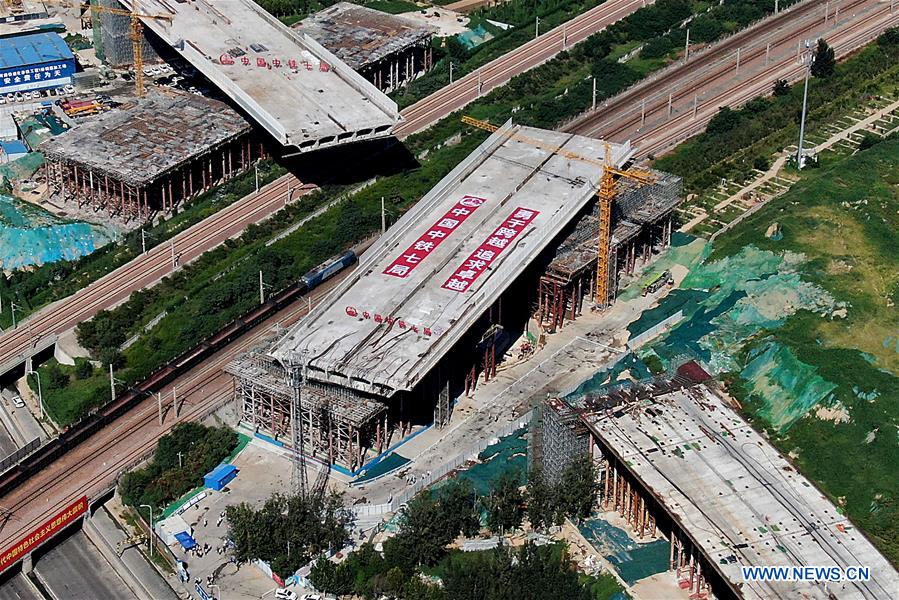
(219, 477)
(186, 541)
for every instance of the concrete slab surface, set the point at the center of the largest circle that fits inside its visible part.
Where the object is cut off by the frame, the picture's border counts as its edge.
(426, 281)
(303, 95)
(736, 496)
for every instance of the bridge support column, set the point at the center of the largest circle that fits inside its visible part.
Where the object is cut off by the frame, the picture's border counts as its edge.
(27, 564)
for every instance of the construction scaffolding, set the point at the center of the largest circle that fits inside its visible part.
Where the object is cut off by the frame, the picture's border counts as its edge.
(112, 36)
(336, 425)
(388, 50)
(642, 220)
(161, 151)
(565, 439)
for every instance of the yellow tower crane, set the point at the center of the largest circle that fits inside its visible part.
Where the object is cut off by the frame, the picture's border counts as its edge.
(608, 184)
(135, 35)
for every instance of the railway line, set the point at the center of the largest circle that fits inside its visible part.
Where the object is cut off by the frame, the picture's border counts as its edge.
(93, 466)
(497, 73)
(146, 269)
(695, 89)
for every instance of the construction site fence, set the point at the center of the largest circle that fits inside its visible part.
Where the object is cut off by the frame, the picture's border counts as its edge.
(440, 472)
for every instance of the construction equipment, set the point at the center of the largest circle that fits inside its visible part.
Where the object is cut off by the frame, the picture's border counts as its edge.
(135, 35)
(607, 189)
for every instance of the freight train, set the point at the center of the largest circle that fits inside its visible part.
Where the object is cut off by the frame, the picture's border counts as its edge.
(80, 431)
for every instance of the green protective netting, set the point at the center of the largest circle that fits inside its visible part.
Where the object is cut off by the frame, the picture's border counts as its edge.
(628, 367)
(632, 560)
(788, 387)
(387, 464)
(23, 167)
(685, 251)
(474, 37)
(507, 455)
(32, 236)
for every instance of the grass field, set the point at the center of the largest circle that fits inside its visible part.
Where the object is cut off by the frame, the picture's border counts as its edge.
(841, 221)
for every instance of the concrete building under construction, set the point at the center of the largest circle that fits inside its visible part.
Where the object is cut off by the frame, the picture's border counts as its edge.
(433, 305)
(151, 156)
(388, 50)
(675, 460)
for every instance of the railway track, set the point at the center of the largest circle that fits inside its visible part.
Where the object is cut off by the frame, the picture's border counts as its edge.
(94, 465)
(147, 269)
(497, 73)
(684, 125)
(641, 112)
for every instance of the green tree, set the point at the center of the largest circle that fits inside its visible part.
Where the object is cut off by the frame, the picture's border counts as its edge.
(459, 505)
(541, 500)
(781, 88)
(824, 62)
(83, 368)
(504, 505)
(577, 488)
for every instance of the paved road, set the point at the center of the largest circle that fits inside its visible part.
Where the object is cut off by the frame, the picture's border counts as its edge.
(75, 570)
(16, 588)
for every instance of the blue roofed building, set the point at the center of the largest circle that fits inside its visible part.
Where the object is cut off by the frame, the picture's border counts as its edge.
(34, 62)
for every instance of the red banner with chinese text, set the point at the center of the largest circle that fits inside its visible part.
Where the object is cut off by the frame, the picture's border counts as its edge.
(434, 236)
(28, 543)
(483, 257)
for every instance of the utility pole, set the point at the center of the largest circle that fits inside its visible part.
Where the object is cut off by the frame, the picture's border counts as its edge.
(479, 83)
(642, 113)
(738, 61)
(776, 6)
(383, 218)
(670, 102)
(174, 260)
(111, 383)
(594, 92)
(12, 309)
(687, 47)
(695, 104)
(40, 393)
(308, 305)
(256, 169)
(159, 398)
(537, 27)
(175, 400)
(799, 158)
(179, 459)
(767, 53)
(451, 73)
(261, 289)
(564, 36)
(143, 241)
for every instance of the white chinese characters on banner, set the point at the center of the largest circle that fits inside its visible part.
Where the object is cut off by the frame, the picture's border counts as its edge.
(481, 259)
(430, 239)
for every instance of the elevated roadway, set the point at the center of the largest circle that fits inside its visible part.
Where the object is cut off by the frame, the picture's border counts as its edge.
(294, 88)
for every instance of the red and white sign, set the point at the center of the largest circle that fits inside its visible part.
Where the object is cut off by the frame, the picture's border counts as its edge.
(433, 237)
(352, 311)
(501, 238)
(28, 543)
